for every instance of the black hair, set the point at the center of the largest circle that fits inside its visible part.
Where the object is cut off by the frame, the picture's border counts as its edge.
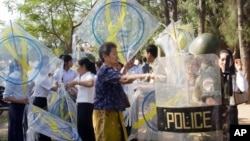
(120, 63)
(66, 58)
(230, 53)
(98, 63)
(144, 59)
(88, 64)
(140, 60)
(105, 49)
(152, 49)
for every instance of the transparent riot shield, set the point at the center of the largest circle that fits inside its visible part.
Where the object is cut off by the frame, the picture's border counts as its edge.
(189, 101)
(184, 106)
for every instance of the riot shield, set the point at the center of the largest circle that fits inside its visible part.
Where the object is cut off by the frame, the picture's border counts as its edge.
(189, 102)
(186, 106)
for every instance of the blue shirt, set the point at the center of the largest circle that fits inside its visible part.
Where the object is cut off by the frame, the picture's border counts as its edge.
(109, 92)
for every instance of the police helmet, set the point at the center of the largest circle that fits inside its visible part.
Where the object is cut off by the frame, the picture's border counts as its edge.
(205, 43)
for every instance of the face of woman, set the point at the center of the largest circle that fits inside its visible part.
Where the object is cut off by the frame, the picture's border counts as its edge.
(222, 61)
(81, 69)
(112, 58)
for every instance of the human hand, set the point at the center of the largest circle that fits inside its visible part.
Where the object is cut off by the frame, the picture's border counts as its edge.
(211, 101)
(25, 100)
(71, 84)
(157, 76)
(74, 90)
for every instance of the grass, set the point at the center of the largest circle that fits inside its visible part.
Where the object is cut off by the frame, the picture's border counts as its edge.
(3, 118)
(3, 128)
(3, 134)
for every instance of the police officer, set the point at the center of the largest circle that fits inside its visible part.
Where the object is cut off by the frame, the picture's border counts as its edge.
(208, 87)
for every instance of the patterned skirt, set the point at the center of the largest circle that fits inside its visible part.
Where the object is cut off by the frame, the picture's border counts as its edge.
(109, 125)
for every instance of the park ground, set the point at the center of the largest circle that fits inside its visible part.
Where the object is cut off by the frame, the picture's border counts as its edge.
(244, 119)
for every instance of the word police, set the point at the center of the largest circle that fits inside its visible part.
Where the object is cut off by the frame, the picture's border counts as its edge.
(188, 119)
(193, 120)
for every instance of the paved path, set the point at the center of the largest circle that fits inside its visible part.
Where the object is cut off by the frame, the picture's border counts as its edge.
(244, 113)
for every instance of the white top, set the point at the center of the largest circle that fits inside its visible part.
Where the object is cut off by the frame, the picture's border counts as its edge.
(15, 90)
(67, 76)
(85, 94)
(43, 89)
(239, 83)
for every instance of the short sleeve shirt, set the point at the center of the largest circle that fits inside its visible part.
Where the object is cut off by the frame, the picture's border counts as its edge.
(43, 89)
(109, 92)
(15, 90)
(67, 76)
(85, 94)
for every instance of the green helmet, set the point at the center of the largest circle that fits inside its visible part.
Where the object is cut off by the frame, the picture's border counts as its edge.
(205, 43)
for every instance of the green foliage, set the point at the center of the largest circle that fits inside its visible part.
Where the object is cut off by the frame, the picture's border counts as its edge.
(189, 12)
(58, 51)
(228, 26)
(221, 18)
(246, 10)
(51, 21)
(3, 127)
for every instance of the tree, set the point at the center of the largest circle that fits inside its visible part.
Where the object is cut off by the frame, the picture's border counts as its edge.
(174, 6)
(166, 11)
(202, 15)
(53, 22)
(243, 32)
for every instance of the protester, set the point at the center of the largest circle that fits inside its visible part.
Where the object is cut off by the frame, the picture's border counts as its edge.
(129, 89)
(151, 55)
(98, 65)
(85, 98)
(110, 98)
(41, 92)
(67, 75)
(145, 65)
(17, 96)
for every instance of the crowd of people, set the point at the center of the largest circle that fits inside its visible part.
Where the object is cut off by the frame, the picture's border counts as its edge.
(100, 91)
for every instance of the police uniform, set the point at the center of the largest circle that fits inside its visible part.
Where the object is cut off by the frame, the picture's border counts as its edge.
(208, 85)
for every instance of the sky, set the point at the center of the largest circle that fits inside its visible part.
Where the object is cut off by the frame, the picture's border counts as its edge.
(5, 15)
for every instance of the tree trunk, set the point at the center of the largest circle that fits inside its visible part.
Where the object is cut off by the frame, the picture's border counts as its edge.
(166, 12)
(175, 13)
(243, 44)
(202, 13)
(139, 1)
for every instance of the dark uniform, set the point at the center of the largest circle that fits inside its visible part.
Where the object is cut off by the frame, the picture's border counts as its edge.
(208, 84)
(207, 89)
(211, 86)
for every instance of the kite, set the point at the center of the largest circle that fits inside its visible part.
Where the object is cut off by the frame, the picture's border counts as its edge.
(175, 38)
(36, 62)
(43, 122)
(17, 44)
(124, 22)
(63, 106)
